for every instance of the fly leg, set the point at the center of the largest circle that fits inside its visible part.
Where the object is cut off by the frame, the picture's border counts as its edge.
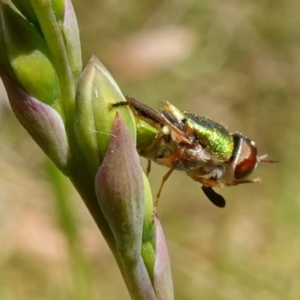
(144, 151)
(173, 159)
(164, 179)
(148, 170)
(213, 183)
(209, 182)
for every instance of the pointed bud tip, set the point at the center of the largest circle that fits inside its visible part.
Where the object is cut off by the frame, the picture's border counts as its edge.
(96, 91)
(163, 283)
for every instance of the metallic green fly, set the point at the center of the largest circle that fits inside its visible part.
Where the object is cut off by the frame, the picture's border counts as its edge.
(199, 146)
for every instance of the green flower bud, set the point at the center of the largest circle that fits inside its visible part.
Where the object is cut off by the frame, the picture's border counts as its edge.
(148, 254)
(41, 121)
(148, 244)
(29, 57)
(4, 61)
(148, 213)
(145, 134)
(58, 8)
(93, 114)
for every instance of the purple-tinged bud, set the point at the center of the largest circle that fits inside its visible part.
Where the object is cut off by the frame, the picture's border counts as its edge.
(28, 56)
(70, 32)
(94, 116)
(163, 284)
(120, 192)
(41, 121)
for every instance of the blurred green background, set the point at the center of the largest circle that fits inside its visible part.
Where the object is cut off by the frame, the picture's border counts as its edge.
(237, 62)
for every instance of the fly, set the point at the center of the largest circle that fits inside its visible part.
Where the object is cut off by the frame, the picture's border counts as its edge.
(197, 145)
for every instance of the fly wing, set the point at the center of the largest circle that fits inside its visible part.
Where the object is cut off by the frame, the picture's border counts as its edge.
(156, 119)
(174, 115)
(146, 113)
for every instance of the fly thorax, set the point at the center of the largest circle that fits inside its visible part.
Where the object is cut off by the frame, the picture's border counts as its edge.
(211, 135)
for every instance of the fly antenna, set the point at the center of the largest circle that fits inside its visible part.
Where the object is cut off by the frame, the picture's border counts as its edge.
(264, 159)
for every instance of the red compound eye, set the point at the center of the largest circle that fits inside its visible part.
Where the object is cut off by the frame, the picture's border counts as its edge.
(246, 157)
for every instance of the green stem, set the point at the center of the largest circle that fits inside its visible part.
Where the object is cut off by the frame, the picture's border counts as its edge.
(86, 189)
